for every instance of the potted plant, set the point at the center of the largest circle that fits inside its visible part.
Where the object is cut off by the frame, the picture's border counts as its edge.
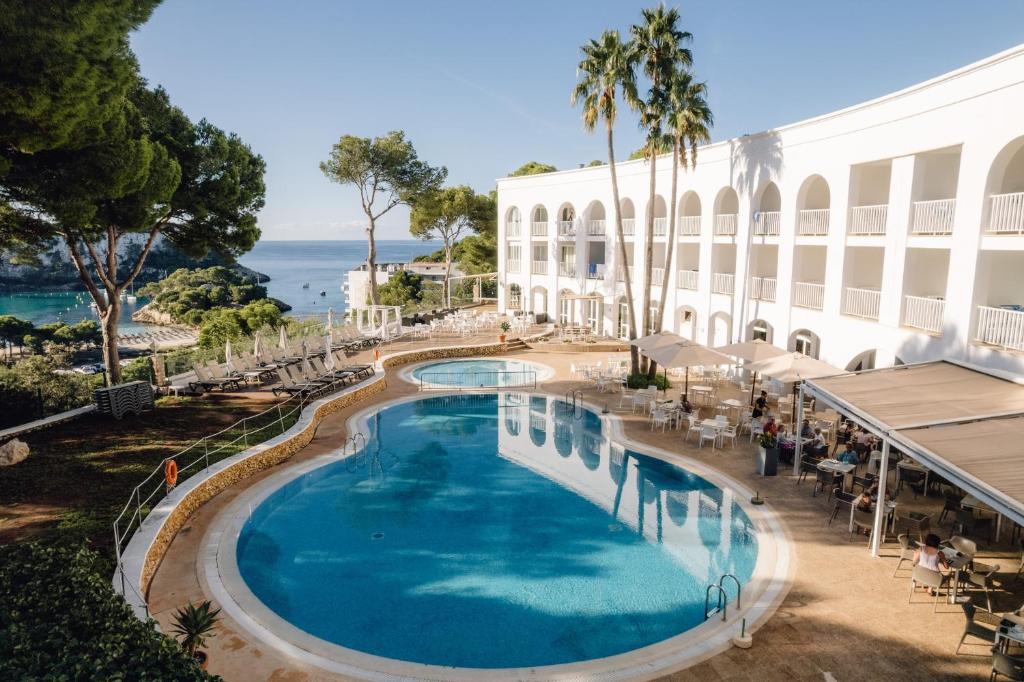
(195, 624)
(767, 454)
(505, 326)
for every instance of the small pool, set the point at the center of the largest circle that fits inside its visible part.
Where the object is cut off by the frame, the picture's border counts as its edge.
(477, 373)
(493, 530)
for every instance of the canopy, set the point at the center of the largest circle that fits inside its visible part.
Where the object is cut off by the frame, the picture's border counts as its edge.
(752, 351)
(656, 340)
(687, 354)
(793, 367)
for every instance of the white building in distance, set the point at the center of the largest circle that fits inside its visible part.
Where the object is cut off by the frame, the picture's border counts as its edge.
(356, 286)
(889, 232)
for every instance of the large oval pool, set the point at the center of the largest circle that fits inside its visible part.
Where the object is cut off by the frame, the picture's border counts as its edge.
(493, 531)
(477, 373)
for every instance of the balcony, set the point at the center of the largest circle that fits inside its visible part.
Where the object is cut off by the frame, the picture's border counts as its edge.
(768, 223)
(1006, 214)
(567, 269)
(512, 266)
(933, 217)
(538, 229)
(725, 224)
(1000, 327)
(620, 274)
(515, 302)
(566, 228)
(868, 220)
(687, 279)
(924, 313)
(689, 226)
(864, 303)
(812, 222)
(657, 276)
(723, 283)
(595, 271)
(763, 289)
(513, 229)
(540, 267)
(660, 227)
(809, 295)
(595, 228)
(629, 226)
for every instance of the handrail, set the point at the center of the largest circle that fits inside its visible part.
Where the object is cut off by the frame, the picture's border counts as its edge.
(739, 588)
(723, 601)
(574, 403)
(472, 380)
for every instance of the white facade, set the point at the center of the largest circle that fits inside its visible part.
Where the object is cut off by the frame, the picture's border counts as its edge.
(356, 286)
(891, 231)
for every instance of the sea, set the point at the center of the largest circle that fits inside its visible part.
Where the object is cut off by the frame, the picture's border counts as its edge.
(289, 264)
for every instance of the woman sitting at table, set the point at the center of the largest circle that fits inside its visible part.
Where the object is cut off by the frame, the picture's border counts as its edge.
(685, 405)
(849, 455)
(807, 431)
(929, 556)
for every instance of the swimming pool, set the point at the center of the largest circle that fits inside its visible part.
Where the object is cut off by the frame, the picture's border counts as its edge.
(477, 373)
(493, 531)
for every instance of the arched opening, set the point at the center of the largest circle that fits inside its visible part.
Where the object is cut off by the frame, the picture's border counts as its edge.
(862, 361)
(727, 208)
(1005, 189)
(539, 214)
(567, 212)
(566, 308)
(566, 220)
(813, 202)
(539, 301)
(760, 330)
(660, 213)
(512, 222)
(689, 214)
(768, 214)
(622, 322)
(628, 213)
(538, 420)
(515, 297)
(805, 341)
(686, 322)
(513, 417)
(719, 329)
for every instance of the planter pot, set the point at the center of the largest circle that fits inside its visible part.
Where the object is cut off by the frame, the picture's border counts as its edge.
(767, 461)
(202, 659)
(501, 338)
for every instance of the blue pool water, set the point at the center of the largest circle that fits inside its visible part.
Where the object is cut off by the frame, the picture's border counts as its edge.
(490, 531)
(471, 373)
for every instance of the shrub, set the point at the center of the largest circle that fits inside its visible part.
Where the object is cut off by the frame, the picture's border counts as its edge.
(641, 381)
(32, 389)
(139, 369)
(60, 619)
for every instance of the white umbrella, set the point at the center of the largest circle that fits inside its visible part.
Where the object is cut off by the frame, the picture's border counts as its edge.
(306, 369)
(656, 340)
(227, 356)
(282, 339)
(752, 351)
(330, 323)
(328, 356)
(686, 354)
(794, 367)
(257, 345)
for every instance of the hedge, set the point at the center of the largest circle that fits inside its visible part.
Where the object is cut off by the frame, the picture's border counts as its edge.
(60, 619)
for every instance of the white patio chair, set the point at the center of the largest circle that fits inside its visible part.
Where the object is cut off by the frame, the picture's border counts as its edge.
(730, 433)
(659, 418)
(708, 433)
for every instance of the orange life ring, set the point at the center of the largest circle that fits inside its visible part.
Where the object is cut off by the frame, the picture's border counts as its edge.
(376, 354)
(171, 472)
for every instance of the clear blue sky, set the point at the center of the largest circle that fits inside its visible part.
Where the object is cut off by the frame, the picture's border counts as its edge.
(482, 87)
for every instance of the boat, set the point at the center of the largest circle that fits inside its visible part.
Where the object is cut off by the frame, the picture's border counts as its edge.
(132, 298)
(323, 293)
(306, 285)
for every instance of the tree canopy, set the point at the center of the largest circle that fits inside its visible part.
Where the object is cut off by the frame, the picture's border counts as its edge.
(532, 168)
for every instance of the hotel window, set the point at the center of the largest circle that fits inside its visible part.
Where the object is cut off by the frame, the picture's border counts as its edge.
(803, 344)
(623, 320)
(564, 311)
(593, 312)
(759, 333)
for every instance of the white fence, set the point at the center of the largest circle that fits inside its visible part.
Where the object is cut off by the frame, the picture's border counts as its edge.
(689, 225)
(768, 223)
(725, 224)
(922, 312)
(566, 228)
(933, 217)
(540, 267)
(595, 228)
(723, 282)
(763, 289)
(567, 269)
(512, 266)
(813, 222)
(657, 276)
(539, 229)
(513, 229)
(809, 295)
(862, 302)
(687, 279)
(1001, 327)
(628, 226)
(1006, 213)
(660, 227)
(868, 220)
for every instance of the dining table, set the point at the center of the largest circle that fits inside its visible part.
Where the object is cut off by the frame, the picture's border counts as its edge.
(1010, 631)
(837, 467)
(701, 395)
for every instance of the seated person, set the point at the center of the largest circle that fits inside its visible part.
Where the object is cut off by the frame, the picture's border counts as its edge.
(770, 427)
(817, 444)
(929, 556)
(849, 455)
(760, 405)
(686, 406)
(807, 431)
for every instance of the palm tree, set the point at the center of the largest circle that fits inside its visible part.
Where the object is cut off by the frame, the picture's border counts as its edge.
(659, 42)
(689, 121)
(609, 65)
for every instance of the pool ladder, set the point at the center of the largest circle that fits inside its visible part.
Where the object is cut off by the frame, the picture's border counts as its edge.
(353, 461)
(723, 597)
(574, 403)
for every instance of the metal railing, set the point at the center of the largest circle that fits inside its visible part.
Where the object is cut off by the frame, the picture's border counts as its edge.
(1001, 327)
(657, 276)
(539, 229)
(660, 227)
(513, 229)
(768, 223)
(812, 222)
(595, 228)
(725, 224)
(933, 217)
(763, 289)
(687, 279)
(722, 282)
(1006, 213)
(567, 269)
(923, 312)
(628, 226)
(478, 379)
(809, 295)
(868, 220)
(512, 266)
(689, 225)
(540, 267)
(566, 228)
(860, 302)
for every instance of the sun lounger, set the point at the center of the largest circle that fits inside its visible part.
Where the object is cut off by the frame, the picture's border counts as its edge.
(209, 382)
(341, 375)
(291, 387)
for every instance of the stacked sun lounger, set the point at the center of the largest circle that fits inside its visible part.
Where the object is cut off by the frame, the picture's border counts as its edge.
(122, 399)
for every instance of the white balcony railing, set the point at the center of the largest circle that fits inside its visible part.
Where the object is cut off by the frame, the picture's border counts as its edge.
(725, 224)
(595, 271)
(620, 273)
(768, 223)
(540, 267)
(809, 295)
(660, 227)
(723, 282)
(566, 228)
(628, 226)
(1001, 327)
(933, 217)
(539, 229)
(763, 289)
(923, 312)
(512, 266)
(657, 276)
(1006, 213)
(687, 279)
(689, 225)
(513, 229)
(862, 302)
(868, 220)
(567, 269)
(812, 222)
(515, 301)
(595, 228)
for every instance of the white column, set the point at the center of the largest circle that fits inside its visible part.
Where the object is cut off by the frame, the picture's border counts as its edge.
(883, 475)
(897, 227)
(799, 449)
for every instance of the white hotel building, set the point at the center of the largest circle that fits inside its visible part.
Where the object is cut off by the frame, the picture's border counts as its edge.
(888, 232)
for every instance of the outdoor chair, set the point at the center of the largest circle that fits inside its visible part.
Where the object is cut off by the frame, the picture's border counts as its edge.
(729, 432)
(339, 375)
(808, 465)
(825, 481)
(756, 427)
(980, 578)
(914, 479)
(963, 545)
(973, 628)
(919, 523)
(926, 577)
(1004, 665)
(864, 482)
(841, 502)
(864, 522)
(291, 387)
(906, 552)
(952, 504)
(967, 523)
(659, 418)
(708, 433)
(217, 372)
(209, 382)
(299, 375)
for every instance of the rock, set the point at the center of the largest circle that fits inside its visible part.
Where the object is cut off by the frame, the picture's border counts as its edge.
(149, 314)
(12, 452)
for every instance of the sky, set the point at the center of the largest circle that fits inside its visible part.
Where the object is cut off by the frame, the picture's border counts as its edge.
(482, 87)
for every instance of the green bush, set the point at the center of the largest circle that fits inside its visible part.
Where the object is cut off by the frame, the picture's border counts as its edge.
(139, 369)
(60, 619)
(641, 381)
(32, 389)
